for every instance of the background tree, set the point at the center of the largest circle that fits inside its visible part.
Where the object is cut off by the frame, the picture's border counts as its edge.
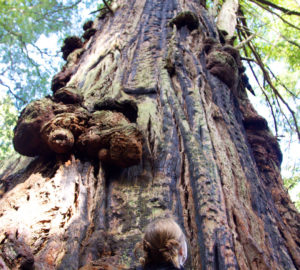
(149, 117)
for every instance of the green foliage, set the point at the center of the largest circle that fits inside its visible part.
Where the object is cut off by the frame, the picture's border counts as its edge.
(297, 202)
(276, 42)
(26, 20)
(8, 119)
(26, 65)
(102, 5)
(292, 184)
(29, 54)
(102, 9)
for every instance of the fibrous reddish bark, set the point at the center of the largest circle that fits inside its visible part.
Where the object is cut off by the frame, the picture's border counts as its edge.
(206, 156)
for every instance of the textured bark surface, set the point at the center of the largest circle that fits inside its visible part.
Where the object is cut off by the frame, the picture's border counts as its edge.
(207, 157)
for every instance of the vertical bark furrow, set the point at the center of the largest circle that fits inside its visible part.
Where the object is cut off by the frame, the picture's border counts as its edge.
(223, 96)
(259, 203)
(271, 181)
(211, 209)
(206, 158)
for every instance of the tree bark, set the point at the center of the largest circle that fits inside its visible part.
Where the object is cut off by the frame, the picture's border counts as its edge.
(208, 158)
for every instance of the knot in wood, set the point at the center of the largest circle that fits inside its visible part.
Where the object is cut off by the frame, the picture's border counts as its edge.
(60, 140)
(89, 33)
(68, 95)
(112, 139)
(61, 79)
(87, 25)
(27, 140)
(185, 18)
(211, 44)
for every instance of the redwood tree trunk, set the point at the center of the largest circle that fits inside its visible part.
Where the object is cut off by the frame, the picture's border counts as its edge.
(207, 157)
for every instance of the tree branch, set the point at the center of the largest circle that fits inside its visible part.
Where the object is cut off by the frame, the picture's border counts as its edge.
(269, 81)
(50, 13)
(248, 59)
(108, 7)
(284, 20)
(267, 99)
(271, 4)
(282, 84)
(242, 44)
(10, 91)
(290, 41)
(276, 93)
(282, 112)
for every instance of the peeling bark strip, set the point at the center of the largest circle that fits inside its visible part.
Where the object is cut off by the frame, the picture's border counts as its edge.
(227, 18)
(148, 118)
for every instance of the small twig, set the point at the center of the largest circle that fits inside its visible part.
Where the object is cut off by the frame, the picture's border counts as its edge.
(244, 42)
(50, 13)
(10, 91)
(280, 17)
(282, 112)
(3, 71)
(279, 34)
(290, 41)
(38, 49)
(271, 4)
(95, 11)
(281, 83)
(240, 27)
(267, 99)
(267, 77)
(110, 10)
(248, 59)
(268, 80)
(25, 51)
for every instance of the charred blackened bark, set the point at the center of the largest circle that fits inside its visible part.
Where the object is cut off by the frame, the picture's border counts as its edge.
(147, 119)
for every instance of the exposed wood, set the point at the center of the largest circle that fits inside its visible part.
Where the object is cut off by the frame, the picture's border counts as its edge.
(214, 9)
(227, 17)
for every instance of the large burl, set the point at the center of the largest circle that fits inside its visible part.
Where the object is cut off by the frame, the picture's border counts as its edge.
(111, 138)
(61, 125)
(223, 62)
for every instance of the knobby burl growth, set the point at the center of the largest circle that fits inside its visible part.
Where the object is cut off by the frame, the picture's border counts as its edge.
(60, 125)
(223, 62)
(72, 50)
